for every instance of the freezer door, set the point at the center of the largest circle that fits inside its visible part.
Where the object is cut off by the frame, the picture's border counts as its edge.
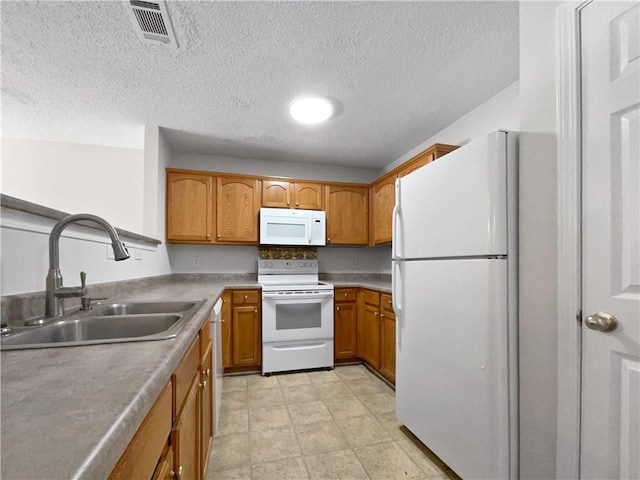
(455, 206)
(452, 387)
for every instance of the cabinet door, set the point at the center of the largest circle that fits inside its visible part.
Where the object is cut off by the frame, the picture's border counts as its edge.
(246, 335)
(238, 204)
(164, 470)
(345, 330)
(371, 334)
(206, 403)
(276, 194)
(189, 207)
(227, 346)
(308, 196)
(383, 198)
(388, 345)
(186, 436)
(347, 215)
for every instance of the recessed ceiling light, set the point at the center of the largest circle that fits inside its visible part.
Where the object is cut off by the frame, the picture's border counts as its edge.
(310, 110)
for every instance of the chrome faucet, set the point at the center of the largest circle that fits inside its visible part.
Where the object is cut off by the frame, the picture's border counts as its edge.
(56, 293)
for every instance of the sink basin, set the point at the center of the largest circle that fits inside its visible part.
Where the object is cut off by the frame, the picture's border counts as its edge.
(113, 323)
(133, 308)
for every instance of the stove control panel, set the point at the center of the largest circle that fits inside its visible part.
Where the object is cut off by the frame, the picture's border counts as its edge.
(266, 267)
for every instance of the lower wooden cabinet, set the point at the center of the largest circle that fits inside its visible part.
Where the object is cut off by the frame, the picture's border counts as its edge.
(242, 330)
(345, 324)
(387, 338)
(175, 438)
(185, 436)
(365, 329)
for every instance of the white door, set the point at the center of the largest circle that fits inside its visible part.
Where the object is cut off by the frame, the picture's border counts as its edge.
(610, 424)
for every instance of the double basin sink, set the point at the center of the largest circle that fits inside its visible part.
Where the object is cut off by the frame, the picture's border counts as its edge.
(109, 323)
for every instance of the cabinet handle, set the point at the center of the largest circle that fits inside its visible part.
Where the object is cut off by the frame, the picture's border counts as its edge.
(208, 236)
(245, 297)
(346, 294)
(297, 204)
(177, 475)
(328, 240)
(375, 313)
(382, 315)
(287, 202)
(337, 308)
(203, 384)
(218, 235)
(255, 311)
(389, 302)
(207, 372)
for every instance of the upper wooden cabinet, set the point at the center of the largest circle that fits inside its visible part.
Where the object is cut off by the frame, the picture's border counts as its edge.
(347, 215)
(189, 207)
(429, 155)
(382, 202)
(237, 207)
(281, 194)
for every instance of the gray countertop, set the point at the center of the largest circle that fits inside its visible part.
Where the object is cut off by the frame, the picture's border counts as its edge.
(70, 412)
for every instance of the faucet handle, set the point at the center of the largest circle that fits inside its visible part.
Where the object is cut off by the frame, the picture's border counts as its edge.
(83, 279)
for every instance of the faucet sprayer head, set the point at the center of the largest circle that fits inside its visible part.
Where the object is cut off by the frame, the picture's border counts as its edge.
(120, 252)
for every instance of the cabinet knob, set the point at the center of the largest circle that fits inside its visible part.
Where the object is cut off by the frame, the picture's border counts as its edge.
(177, 475)
(297, 204)
(207, 372)
(203, 384)
(328, 240)
(287, 202)
(375, 313)
(346, 294)
(337, 308)
(255, 311)
(218, 235)
(245, 297)
(208, 236)
(381, 315)
(389, 302)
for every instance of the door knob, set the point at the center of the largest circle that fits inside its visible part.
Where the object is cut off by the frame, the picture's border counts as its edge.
(602, 322)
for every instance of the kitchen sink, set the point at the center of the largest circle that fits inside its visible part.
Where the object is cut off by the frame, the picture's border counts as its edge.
(134, 308)
(112, 323)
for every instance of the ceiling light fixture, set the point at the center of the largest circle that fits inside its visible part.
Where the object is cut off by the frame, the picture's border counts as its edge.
(310, 110)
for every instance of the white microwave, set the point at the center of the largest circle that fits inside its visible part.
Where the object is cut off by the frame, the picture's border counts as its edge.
(280, 226)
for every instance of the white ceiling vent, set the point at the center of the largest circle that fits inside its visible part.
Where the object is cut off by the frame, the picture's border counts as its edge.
(152, 22)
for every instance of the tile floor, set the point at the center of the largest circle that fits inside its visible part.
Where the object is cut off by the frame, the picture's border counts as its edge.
(336, 424)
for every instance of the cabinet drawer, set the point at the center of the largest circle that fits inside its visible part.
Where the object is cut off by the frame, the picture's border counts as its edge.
(141, 456)
(386, 302)
(371, 297)
(184, 374)
(205, 335)
(240, 297)
(345, 294)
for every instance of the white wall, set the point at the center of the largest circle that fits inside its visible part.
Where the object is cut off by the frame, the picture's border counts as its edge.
(24, 237)
(538, 258)
(247, 166)
(499, 112)
(75, 178)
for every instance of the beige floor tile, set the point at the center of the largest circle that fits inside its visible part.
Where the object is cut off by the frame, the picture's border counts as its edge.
(258, 382)
(390, 423)
(384, 461)
(234, 400)
(309, 412)
(320, 437)
(333, 390)
(300, 393)
(234, 383)
(323, 376)
(287, 469)
(378, 402)
(292, 379)
(233, 421)
(229, 452)
(343, 465)
(432, 467)
(265, 397)
(346, 407)
(365, 430)
(274, 444)
(367, 386)
(266, 418)
(243, 473)
(352, 372)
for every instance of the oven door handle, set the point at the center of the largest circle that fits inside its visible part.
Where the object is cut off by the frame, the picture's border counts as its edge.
(306, 346)
(300, 296)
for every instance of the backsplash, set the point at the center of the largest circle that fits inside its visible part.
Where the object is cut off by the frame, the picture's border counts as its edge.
(287, 253)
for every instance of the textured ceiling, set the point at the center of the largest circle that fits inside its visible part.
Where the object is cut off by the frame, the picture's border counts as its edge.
(399, 72)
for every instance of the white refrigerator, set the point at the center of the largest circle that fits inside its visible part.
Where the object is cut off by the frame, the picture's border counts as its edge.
(455, 287)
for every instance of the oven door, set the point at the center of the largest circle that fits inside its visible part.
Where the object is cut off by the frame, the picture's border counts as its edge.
(289, 316)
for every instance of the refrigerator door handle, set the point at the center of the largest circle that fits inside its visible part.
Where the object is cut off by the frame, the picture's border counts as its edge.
(395, 298)
(395, 239)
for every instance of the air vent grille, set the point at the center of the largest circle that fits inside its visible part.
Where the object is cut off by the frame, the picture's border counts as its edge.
(152, 22)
